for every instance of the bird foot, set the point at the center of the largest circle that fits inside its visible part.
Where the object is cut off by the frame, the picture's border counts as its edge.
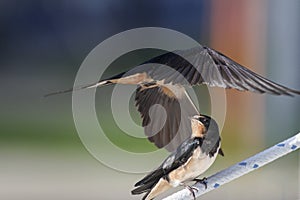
(202, 181)
(191, 189)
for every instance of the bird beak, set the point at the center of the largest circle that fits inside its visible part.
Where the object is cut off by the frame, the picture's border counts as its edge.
(193, 120)
(196, 117)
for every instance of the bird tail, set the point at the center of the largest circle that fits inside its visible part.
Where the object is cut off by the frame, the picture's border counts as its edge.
(152, 189)
(153, 184)
(147, 183)
(144, 188)
(94, 85)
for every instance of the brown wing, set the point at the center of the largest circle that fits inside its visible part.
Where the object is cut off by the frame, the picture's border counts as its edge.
(165, 110)
(202, 65)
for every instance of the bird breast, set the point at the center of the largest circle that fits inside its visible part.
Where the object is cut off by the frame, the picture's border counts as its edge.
(196, 165)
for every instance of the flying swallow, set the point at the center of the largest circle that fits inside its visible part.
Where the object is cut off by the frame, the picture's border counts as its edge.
(191, 159)
(165, 86)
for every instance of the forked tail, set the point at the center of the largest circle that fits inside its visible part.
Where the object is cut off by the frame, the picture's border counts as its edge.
(94, 85)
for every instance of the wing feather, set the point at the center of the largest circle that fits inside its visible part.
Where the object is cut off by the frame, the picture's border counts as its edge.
(178, 107)
(202, 65)
(173, 161)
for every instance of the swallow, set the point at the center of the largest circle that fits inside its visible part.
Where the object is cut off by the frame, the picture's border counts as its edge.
(166, 87)
(191, 159)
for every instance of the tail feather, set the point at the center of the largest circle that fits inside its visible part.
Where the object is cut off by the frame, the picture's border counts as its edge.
(147, 184)
(146, 195)
(295, 91)
(94, 85)
(143, 188)
(150, 178)
(152, 189)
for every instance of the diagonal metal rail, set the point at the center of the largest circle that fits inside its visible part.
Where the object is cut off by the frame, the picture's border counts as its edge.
(241, 168)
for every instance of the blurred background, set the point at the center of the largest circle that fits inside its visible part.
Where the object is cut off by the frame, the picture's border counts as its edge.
(43, 44)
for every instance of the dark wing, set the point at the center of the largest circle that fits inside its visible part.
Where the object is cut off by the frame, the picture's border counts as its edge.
(175, 160)
(202, 65)
(165, 111)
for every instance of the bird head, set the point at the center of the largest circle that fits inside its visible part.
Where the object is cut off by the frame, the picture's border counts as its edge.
(204, 126)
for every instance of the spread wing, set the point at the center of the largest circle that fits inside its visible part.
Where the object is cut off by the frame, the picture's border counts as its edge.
(202, 65)
(199, 65)
(165, 112)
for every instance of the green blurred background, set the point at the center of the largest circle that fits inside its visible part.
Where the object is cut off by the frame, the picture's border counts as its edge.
(43, 44)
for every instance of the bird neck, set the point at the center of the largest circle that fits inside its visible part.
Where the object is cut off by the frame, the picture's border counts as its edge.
(198, 130)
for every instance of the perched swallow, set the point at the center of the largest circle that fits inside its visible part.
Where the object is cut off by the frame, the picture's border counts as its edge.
(165, 86)
(191, 159)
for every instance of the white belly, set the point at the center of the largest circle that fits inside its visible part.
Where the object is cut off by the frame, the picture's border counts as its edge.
(194, 167)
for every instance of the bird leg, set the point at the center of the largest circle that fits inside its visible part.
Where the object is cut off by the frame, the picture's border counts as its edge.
(191, 189)
(202, 181)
